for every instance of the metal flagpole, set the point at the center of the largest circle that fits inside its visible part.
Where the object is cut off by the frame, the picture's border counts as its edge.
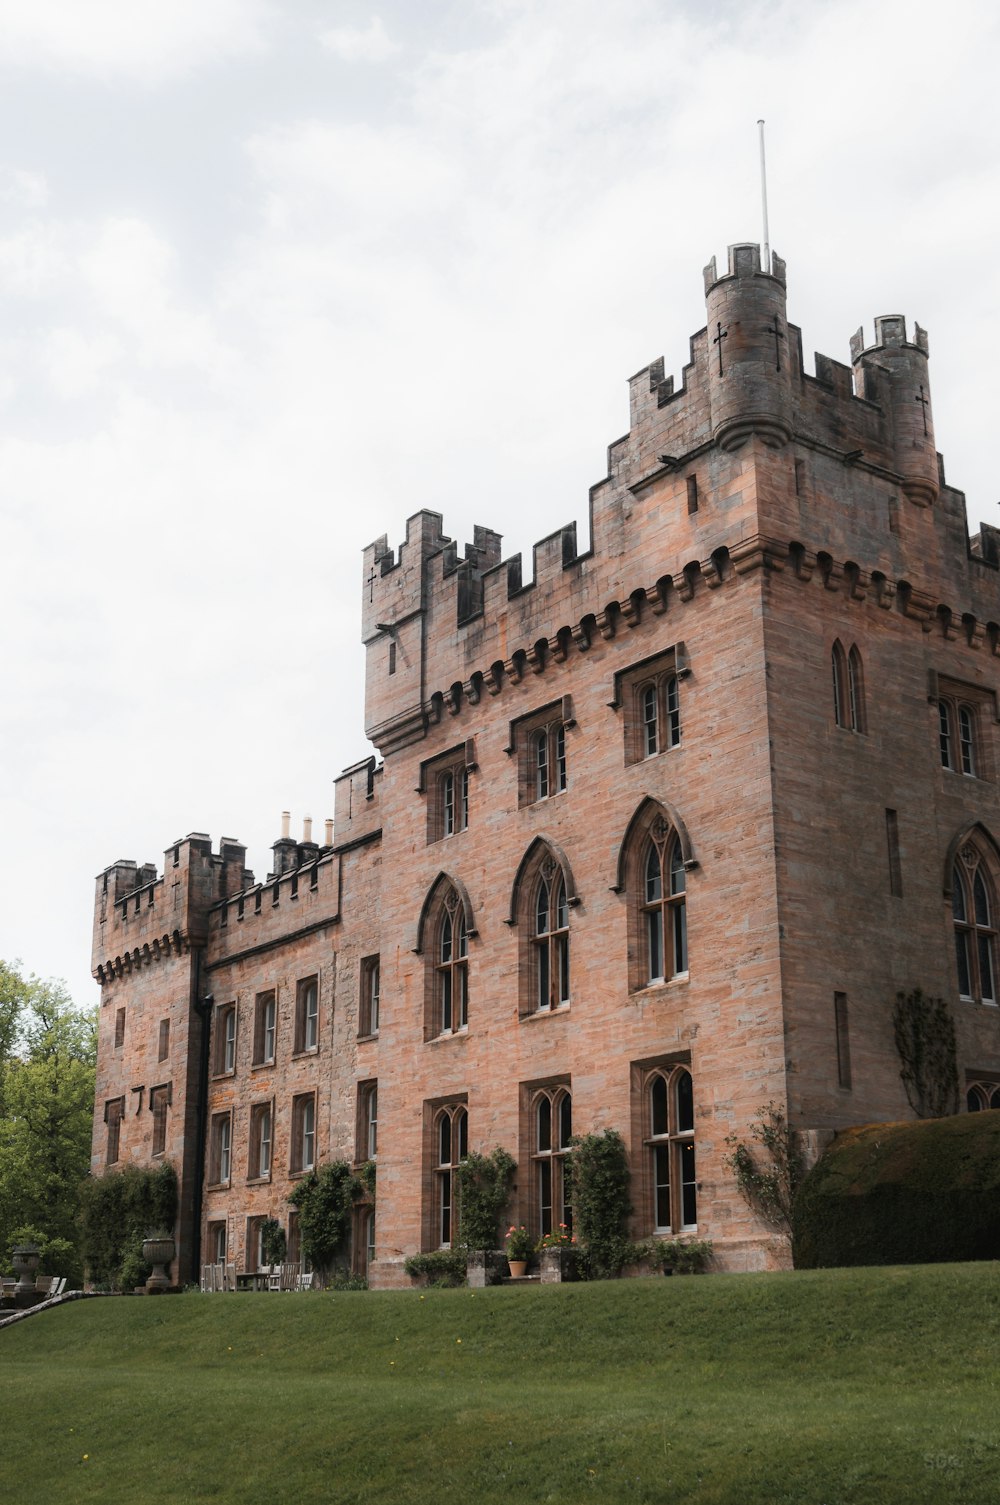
(763, 200)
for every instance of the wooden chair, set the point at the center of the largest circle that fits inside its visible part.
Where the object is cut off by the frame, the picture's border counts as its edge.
(229, 1277)
(43, 1284)
(305, 1282)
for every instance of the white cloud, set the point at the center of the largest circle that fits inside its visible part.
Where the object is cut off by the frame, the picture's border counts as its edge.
(353, 45)
(21, 189)
(146, 39)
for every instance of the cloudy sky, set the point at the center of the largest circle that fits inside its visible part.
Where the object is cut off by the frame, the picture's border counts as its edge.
(275, 275)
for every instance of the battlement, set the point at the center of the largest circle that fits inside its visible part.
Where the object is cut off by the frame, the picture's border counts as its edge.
(678, 494)
(140, 915)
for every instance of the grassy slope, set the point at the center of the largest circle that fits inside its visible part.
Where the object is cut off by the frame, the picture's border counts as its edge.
(820, 1388)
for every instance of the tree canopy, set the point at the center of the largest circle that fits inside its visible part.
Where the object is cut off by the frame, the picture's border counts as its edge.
(48, 1049)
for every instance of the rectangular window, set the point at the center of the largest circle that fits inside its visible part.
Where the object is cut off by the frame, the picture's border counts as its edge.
(221, 1149)
(892, 841)
(370, 984)
(539, 740)
(119, 1029)
(260, 1141)
(264, 1029)
(114, 1112)
(843, 1040)
(367, 1128)
(225, 1040)
(163, 1049)
(445, 779)
(649, 695)
(692, 491)
(304, 1132)
(307, 1015)
(159, 1102)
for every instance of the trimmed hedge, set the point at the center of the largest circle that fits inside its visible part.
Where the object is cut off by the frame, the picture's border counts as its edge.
(904, 1193)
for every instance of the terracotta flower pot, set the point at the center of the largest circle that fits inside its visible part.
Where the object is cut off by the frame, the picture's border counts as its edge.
(518, 1268)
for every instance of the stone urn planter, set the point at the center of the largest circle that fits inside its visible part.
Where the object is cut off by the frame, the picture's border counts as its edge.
(158, 1250)
(24, 1258)
(557, 1265)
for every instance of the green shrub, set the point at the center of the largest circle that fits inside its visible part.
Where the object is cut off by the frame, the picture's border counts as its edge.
(118, 1211)
(924, 1032)
(599, 1178)
(673, 1255)
(273, 1242)
(325, 1199)
(768, 1166)
(482, 1193)
(904, 1193)
(441, 1267)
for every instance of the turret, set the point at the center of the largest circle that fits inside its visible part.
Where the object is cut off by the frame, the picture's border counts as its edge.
(909, 397)
(749, 352)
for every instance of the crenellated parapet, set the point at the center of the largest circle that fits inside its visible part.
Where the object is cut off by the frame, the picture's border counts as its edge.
(707, 465)
(141, 917)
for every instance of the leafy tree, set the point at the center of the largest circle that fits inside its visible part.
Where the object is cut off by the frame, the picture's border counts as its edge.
(48, 1049)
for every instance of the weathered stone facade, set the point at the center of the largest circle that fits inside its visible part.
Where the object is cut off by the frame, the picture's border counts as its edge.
(656, 837)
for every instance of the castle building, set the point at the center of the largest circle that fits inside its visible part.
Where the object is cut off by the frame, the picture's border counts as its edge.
(655, 839)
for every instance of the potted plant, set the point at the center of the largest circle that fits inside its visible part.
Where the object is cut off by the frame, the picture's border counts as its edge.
(158, 1250)
(558, 1255)
(519, 1245)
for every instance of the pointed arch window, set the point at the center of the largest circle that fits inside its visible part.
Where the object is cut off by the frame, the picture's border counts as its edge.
(664, 905)
(452, 966)
(981, 1096)
(550, 939)
(670, 1150)
(451, 1140)
(848, 688)
(974, 914)
(551, 1131)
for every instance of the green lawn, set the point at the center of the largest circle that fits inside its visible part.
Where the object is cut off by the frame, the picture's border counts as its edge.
(819, 1388)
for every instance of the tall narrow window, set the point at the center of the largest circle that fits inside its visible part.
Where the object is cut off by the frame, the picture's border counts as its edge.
(453, 966)
(119, 1028)
(221, 1148)
(552, 1128)
(367, 1133)
(669, 1109)
(973, 914)
(664, 905)
(265, 1029)
(551, 940)
(967, 740)
(452, 1146)
(454, 800)
(843, 1039)
(260, 1141)
(945, 735)
(540, 746)
(163, 1047)
(304, 1132)
(542, 755)
(370, 971)
(225, 1040)
(848, 688)
(307, 1015)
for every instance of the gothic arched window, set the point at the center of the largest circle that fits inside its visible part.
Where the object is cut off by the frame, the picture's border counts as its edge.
(669, 1114)
(550, 939)
(848, 688)
(452, 966)
(451, 1140)
(551, 1130)
(974, 914)
(663, 905)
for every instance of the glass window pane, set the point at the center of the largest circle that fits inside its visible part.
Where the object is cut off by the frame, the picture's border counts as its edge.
(649, 721)
(987, 990)
(958, 898)
(654, 876)
(565, 1120)
(444, 1140)
(980, 900)
(685, 1102)
(654, 938)
(973, 1101)
(544, 1124)
(658, 1105)
(673, 712)
(962, 959)
(462, 1132)
(661, 1180)
(689, 1189)
(542, 909)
